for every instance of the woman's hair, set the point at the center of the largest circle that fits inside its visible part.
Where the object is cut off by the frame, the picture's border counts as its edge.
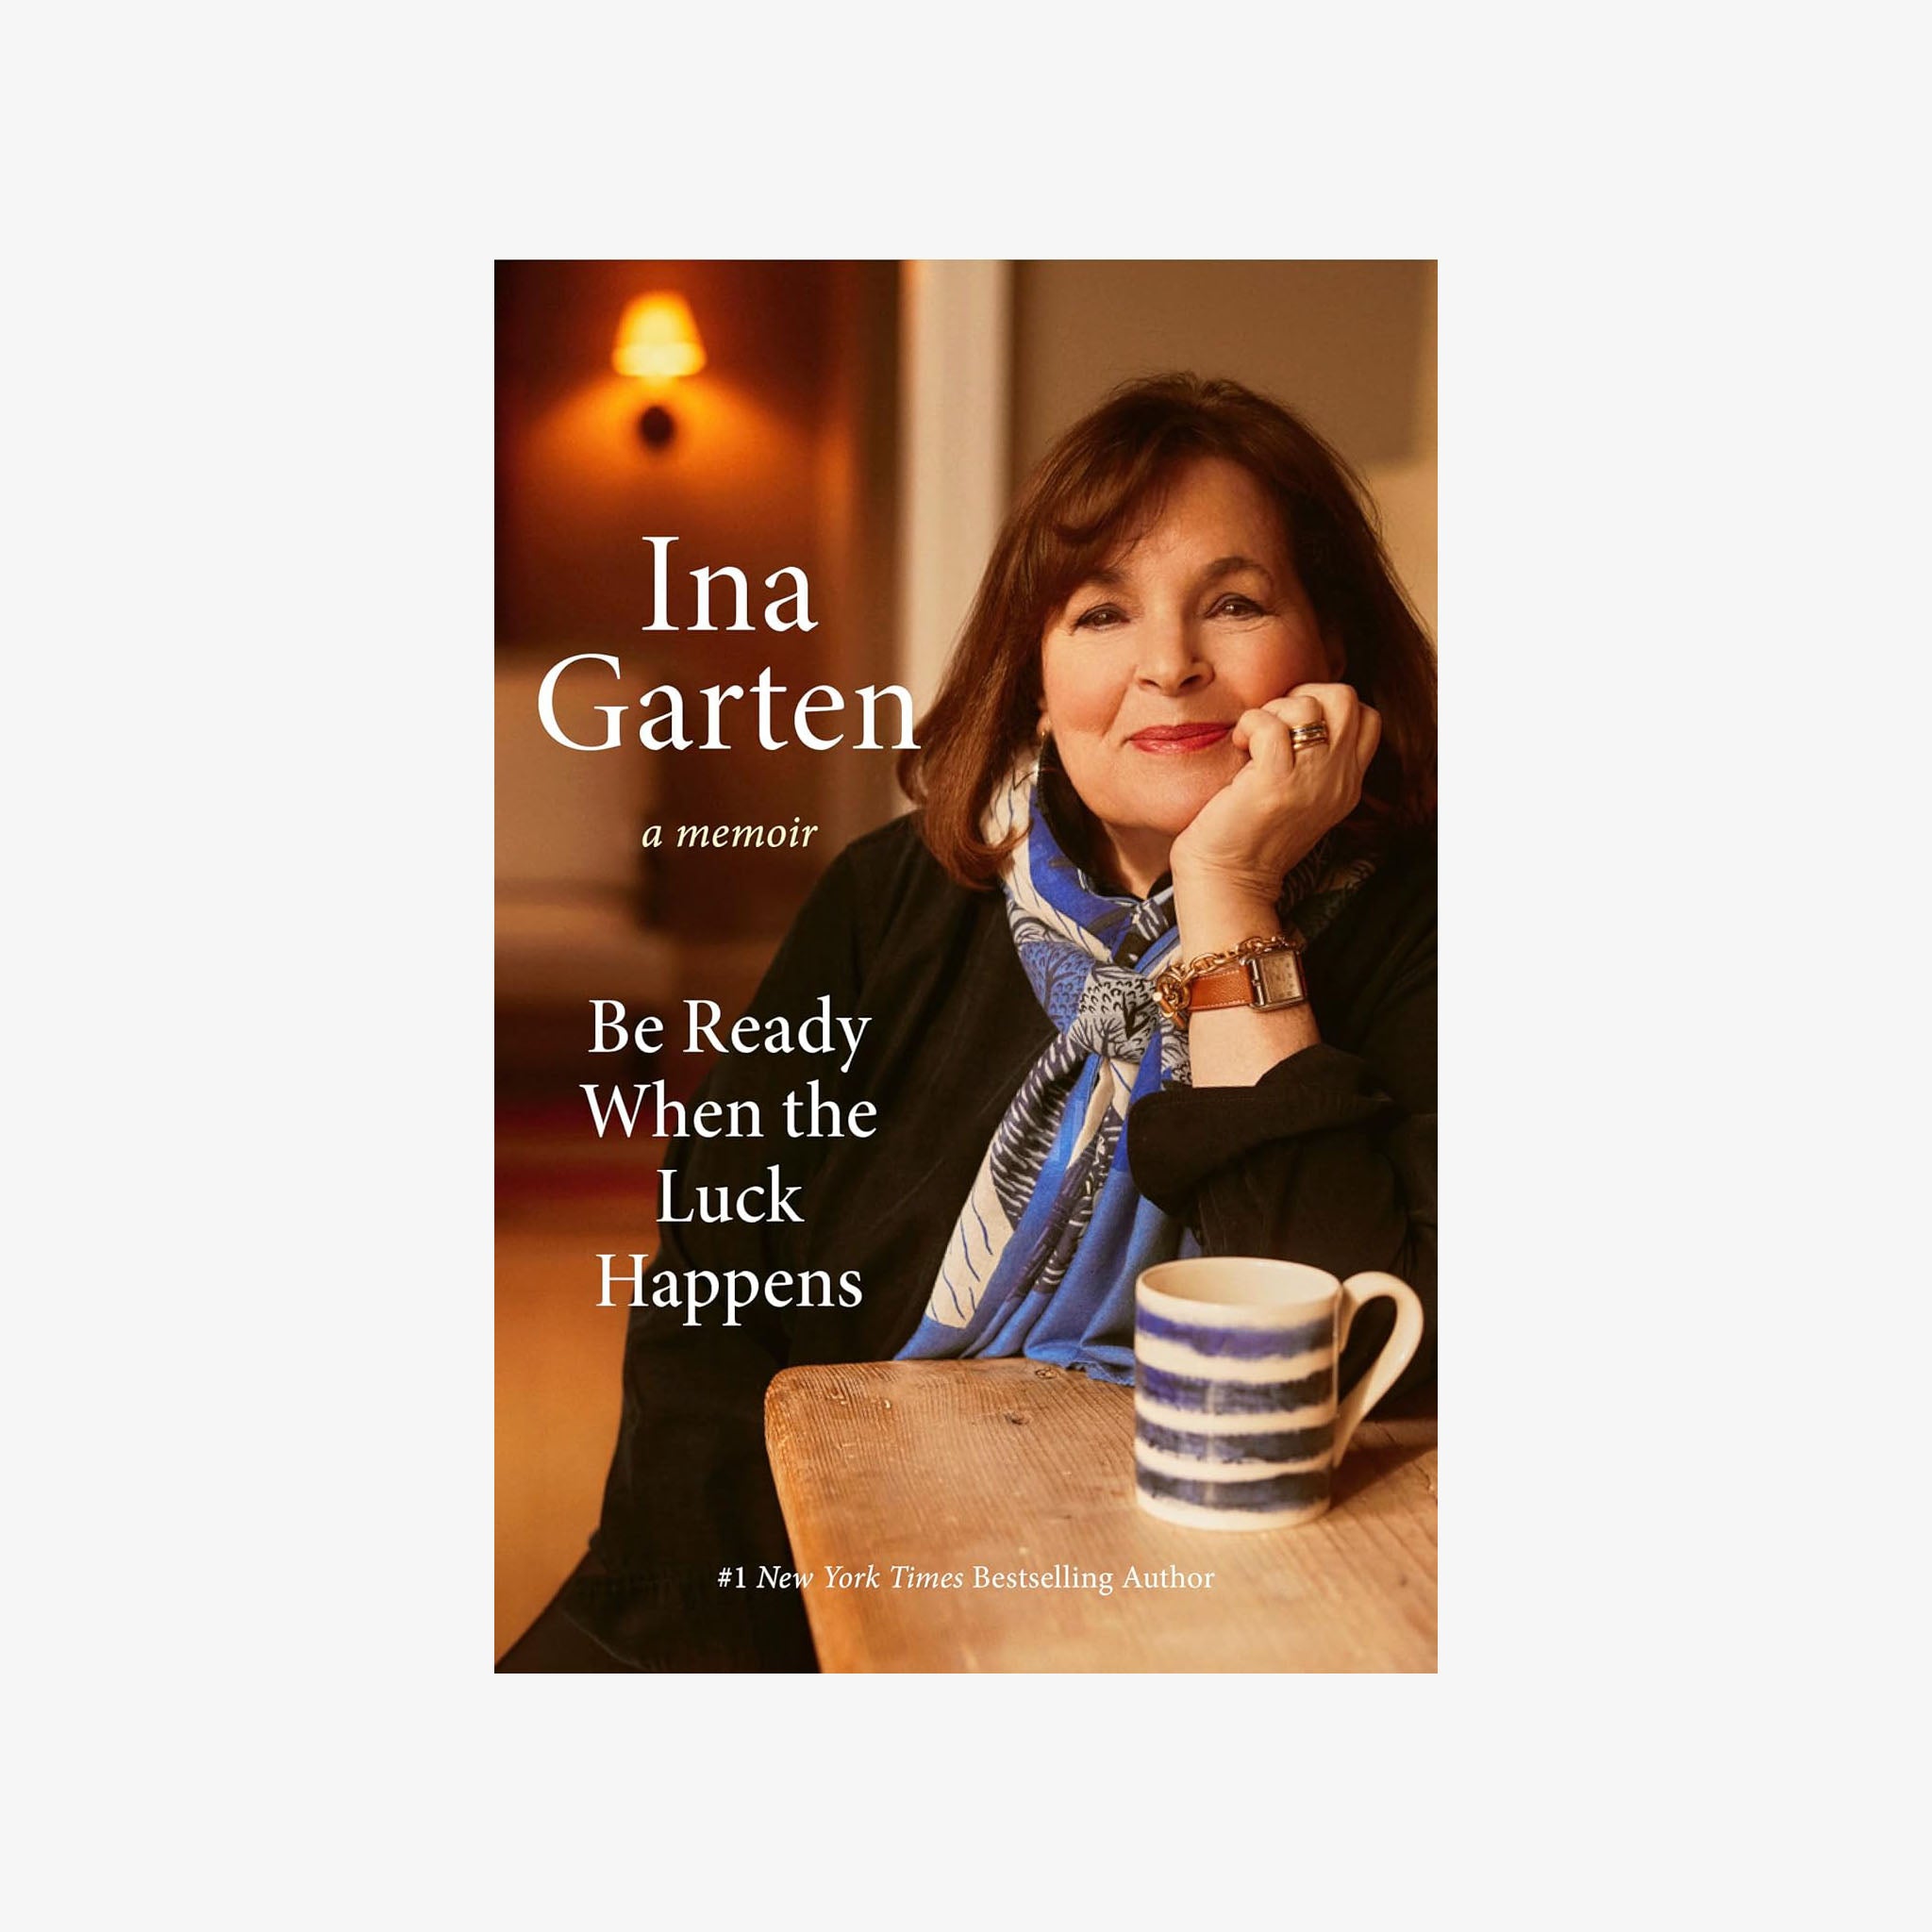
(1098, 486)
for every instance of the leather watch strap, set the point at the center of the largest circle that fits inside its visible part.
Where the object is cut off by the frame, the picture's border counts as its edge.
(1229, 987)
(1263, 972)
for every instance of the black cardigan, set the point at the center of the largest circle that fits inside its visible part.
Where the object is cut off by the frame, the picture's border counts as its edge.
(1328, 1158)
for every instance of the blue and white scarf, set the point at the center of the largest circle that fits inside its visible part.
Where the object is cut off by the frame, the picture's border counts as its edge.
(1054, 1234)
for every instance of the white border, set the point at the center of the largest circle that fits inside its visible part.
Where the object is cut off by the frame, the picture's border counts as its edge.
(248, 1380)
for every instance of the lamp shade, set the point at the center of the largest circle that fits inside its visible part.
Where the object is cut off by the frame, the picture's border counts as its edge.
(657, 337)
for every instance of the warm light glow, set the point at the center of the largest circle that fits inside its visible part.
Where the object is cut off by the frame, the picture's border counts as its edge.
(657, 338)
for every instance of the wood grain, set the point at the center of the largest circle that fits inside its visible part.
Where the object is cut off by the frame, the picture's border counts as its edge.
(1017, 1466)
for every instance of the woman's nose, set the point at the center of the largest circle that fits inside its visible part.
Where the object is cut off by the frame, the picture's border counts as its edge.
(1171, 661)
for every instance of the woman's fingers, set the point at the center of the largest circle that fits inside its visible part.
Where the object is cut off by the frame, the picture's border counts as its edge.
(1369, 737)
(1354, 728)
(1279, 803)
(1264, 738)
(1332, 705)
(1299, 707)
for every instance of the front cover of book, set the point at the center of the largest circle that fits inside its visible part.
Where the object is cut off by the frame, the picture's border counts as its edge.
(965, 966)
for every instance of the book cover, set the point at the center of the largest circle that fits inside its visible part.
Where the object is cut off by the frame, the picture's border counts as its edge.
(743, 510)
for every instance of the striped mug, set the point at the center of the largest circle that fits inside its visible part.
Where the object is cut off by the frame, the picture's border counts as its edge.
(1237, 1424)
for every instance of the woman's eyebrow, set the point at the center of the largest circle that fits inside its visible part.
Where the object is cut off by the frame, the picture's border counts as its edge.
(1233, 566)
(1112, 578)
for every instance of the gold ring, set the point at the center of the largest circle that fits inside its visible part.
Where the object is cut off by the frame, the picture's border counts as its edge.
(1301, 736)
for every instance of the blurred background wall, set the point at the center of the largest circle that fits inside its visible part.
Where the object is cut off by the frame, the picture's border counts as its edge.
(866, 422)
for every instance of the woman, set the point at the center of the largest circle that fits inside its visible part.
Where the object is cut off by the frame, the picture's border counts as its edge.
(1191, 719)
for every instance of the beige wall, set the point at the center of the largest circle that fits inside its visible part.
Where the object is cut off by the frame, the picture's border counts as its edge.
(1349, 345)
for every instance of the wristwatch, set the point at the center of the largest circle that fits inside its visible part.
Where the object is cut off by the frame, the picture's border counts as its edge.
(1263, 972)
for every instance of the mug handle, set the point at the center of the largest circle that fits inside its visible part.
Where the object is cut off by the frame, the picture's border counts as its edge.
(1356, 1292)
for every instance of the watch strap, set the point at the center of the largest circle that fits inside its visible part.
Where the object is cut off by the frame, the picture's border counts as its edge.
(1264, 973)
(1229, 986)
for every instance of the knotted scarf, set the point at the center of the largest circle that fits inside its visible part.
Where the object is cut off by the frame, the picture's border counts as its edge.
(1047, 1248)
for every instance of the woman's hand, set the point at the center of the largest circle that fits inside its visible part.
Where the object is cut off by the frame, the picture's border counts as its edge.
(1274, 810)
(1229, 863)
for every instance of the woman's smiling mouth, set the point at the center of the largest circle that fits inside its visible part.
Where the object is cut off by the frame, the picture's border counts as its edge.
(1168, 739)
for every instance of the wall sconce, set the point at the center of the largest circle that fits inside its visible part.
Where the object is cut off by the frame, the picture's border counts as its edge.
(657, 342)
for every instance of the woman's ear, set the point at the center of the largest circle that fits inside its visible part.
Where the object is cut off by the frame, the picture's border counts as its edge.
(1338, 657)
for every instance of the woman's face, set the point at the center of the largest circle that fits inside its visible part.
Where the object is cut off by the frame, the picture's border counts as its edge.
(1150, 663)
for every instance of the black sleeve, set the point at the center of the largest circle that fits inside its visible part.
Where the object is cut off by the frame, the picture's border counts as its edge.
(1329, 1159)
(690, 1491)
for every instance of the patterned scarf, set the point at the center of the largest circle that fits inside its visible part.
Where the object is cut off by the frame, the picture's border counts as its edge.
(1054, 1234)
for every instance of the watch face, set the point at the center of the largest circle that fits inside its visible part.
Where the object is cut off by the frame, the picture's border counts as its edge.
(1279, 978)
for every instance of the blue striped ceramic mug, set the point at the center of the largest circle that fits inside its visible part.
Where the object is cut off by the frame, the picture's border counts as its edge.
(1237, 1421)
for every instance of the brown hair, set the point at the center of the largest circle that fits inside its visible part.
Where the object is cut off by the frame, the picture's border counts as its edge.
(1108, 473)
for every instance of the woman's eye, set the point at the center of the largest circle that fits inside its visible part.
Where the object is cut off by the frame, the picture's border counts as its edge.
(1234, 604)
(1101, 617)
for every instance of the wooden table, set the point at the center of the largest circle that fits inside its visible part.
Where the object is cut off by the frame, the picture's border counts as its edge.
(972, 1470)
